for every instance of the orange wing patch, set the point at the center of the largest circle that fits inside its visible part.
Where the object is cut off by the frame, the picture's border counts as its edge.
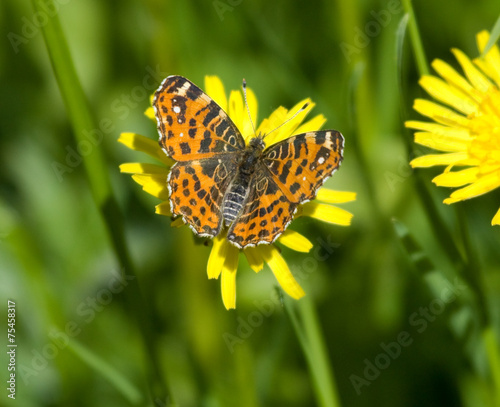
(190, 124)
(301, 164)
(265, 215)
(197, 190)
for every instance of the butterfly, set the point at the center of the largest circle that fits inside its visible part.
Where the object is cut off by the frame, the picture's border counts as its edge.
(218, 181)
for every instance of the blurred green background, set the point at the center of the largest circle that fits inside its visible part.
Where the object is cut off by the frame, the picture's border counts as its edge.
(57, 264)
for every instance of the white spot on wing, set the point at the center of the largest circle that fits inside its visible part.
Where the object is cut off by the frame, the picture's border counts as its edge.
(321, 160)
(177, 109)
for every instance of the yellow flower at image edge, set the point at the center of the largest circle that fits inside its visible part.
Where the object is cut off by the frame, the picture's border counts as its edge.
(224, 256)
(468, 131)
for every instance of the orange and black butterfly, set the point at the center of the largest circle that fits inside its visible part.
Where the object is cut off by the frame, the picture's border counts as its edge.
(219, 181)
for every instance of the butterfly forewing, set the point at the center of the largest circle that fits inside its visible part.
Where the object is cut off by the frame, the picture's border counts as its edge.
(301, 164)
(190, 124)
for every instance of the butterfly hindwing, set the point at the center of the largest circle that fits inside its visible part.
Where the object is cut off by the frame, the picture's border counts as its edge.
(265, 214)
(197, 190)
(190, 124)
(300, 164)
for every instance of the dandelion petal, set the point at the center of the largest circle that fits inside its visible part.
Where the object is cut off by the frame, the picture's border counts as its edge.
(431, 160)
(491, 65)
(153, 184)
(476, 78)
(254, 258)
(215, 89)
(228, 280)
(327, 213)
(217, 256)
(448, 94)
(331, 196)
(144, 144)
(281, 271)
(496, 218)
(164, 209)
(143, 168)
(295, 241)
(483, 185)
(456, 178)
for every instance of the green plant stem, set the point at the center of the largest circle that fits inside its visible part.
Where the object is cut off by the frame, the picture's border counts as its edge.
(100, 186)
(106, 370)
(305, 323)
(472, 268)
(415, 39)
(491, 342)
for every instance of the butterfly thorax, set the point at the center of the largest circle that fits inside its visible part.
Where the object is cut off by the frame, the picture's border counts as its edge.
(236, 194)
(251, 156)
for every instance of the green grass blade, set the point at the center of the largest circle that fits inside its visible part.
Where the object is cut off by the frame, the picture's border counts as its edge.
(306, 326)
(494, 36)
(99, 183)
(416, 40)
(120, 382)
(491, 343)
(434, 278)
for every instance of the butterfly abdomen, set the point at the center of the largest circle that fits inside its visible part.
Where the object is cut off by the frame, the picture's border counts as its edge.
(237, 192)
(233, 202)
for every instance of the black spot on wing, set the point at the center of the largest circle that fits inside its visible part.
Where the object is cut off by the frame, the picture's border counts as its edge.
(186, 210)
(285, 172)
(221, 128)
(213, 112)
(320, 137)
(264, 233)
(295, 187)
(174, 83)
(185, 149)
(205, 145)
(194, 92)
(283, 151)
(298, 144)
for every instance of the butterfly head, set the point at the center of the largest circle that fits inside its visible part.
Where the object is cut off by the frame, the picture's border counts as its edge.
(257, 143)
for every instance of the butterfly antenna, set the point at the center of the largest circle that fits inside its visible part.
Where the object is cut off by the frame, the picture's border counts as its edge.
(291, 118)
(246, 104)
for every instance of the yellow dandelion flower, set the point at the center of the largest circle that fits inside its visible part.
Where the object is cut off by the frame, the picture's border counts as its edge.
(224, 256)
(467, 130)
